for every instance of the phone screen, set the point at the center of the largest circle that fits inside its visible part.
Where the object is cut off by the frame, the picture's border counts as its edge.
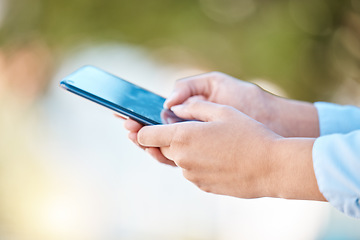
(119, 95)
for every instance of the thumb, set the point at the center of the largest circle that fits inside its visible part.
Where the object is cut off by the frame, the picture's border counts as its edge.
(200, 110)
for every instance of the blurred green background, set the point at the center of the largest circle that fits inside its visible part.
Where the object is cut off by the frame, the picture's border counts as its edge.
(67, 170)
(308, 48)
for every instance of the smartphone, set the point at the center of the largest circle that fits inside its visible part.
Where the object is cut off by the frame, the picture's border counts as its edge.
(119, 95)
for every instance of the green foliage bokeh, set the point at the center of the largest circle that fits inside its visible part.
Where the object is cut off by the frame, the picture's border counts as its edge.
(307, 47)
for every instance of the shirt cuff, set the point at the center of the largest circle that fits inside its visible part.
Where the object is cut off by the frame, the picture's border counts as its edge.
(334, 118)
(336, 160)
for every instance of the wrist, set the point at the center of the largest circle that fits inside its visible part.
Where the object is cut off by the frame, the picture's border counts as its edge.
(293, 172)
(292, 118)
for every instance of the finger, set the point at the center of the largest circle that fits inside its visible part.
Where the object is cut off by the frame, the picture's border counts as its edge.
(156, 153)
(194, 98)
(132, 125)
(200, 110)
(168, 117)
(187, 87)
(133, 137)
(156, 136)
(168, 153)
(120, 116)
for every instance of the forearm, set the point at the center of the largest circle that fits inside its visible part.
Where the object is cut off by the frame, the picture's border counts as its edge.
(295, 176)
(291, 118)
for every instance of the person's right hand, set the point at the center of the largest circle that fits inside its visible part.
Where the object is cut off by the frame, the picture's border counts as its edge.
(134, 127)
(288, 118)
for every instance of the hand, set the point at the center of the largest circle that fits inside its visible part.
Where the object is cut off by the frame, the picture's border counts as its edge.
(133, 127)
(231, 154)
(288, 118)
(227, 153)
(285, 117)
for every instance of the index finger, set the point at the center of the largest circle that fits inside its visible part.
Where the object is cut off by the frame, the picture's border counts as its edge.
(188, 87)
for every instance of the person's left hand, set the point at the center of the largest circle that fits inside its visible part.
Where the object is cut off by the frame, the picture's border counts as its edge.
(227, 153)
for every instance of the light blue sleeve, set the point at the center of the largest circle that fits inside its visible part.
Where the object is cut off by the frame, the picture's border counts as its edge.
(334, 118)
(336, 156)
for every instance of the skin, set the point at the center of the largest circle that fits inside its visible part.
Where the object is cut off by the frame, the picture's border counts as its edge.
(249, 143)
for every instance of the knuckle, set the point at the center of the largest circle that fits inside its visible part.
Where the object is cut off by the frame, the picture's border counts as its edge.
(229, 111)
(216, 75)
(182, 162)
(179, 146)
(205, 188)
(190, 176)
(180, 138)
(224, 110)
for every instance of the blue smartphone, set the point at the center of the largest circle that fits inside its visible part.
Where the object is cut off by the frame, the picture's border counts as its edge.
(119, 95)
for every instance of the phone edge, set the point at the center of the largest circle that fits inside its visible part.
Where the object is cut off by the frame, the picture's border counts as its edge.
(102, 102)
